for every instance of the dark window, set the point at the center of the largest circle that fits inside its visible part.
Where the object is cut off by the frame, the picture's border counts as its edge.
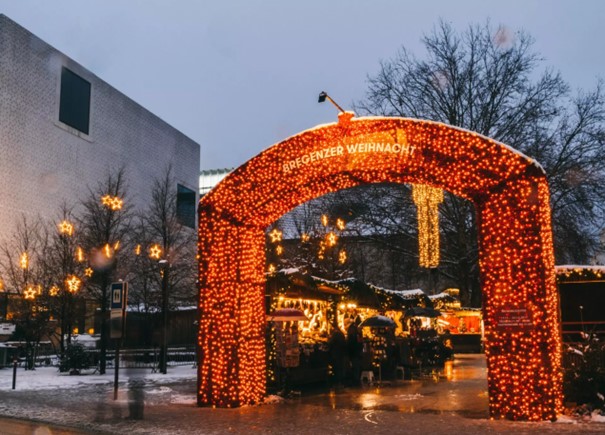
(74, 108)
(185, 206)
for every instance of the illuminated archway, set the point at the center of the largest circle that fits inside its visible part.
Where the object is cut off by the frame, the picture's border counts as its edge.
(510, 193)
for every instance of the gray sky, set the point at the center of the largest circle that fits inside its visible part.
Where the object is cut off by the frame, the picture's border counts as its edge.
(238, 76)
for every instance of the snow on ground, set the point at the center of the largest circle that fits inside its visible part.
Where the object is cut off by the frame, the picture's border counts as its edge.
(49, 378)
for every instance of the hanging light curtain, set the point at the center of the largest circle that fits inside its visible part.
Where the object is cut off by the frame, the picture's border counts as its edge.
(427, 200)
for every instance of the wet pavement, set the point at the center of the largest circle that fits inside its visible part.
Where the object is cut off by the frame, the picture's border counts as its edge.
(459, 387)
(453, 400)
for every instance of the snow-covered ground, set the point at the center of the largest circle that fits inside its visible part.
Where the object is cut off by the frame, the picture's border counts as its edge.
(43, 378)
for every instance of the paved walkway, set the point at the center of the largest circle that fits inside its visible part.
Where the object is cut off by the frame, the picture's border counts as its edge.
(453, 401)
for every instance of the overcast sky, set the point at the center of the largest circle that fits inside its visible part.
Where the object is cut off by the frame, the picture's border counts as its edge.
(239, 76)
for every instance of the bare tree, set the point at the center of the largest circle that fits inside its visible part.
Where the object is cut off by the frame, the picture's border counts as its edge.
(104, 224)
(165, 271)
(66, 261)
(487, 80)
(26, 280)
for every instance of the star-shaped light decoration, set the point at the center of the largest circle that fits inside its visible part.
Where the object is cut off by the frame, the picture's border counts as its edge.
(88, 272)
(73, 283)
(29, 293)
(66, 228)
(271, 269)
(24, 261)
(342, 257)
(112, 202)
(275, 235)
(155, 252)
(279, 249)
(324, 220)
(305, 238)
(54, 290)
(340, 224)
(331, 239)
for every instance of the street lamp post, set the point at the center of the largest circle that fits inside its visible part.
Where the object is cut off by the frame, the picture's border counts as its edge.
(164, 267)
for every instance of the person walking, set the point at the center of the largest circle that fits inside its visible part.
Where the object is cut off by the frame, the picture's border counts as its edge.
(355, 349)
(337, 346)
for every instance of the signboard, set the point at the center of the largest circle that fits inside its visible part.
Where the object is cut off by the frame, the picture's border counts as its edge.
(514, 319)
(118, 301)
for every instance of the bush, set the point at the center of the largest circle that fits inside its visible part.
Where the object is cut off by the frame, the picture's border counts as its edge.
(74, 359)
(584, 376)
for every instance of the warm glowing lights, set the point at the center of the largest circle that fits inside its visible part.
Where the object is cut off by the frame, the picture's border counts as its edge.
(279, 249)
(275, 235)
(24, 261)
(73, 284)
(511, 197)
(155, 252)
(112, 202)
(340, 224)
(324, 220)
(342, 257)
(427, 200)
(271, 269)
(66, 228)
(305, 237)
(107, 250)
(80, 255)
(88, 272)
(30, 293)
(331, 239)
(137, 250)
(54, 290)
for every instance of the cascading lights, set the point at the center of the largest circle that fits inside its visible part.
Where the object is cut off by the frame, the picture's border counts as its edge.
(511, 196)
(427, 200)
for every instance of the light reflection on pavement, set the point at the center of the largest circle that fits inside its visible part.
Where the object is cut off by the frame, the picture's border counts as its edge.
(459, 387)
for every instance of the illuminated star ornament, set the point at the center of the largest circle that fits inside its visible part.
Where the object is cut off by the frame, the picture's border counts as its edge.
(29, 293)
(66, 228)
(24, 261)
(155, 251)
(73, 284)
(275, 235)
(112, 202)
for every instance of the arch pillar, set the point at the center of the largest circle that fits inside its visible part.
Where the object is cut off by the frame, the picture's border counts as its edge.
(521, 302)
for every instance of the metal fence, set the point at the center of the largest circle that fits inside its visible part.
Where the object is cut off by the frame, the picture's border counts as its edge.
(129, 358)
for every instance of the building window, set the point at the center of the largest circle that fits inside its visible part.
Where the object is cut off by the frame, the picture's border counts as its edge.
(185, 206)
(74, 108)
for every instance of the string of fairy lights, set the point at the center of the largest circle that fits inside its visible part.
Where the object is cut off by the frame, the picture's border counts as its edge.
(511, 196)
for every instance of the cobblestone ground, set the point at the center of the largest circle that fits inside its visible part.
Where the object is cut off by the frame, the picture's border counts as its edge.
(451, 402)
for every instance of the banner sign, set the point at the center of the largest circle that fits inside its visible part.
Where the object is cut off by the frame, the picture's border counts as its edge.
(119, 297)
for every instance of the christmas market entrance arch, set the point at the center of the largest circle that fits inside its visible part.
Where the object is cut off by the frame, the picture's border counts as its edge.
(511, 197)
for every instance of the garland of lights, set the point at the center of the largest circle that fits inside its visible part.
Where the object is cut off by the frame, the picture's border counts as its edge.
(511, 196)
(427, 199)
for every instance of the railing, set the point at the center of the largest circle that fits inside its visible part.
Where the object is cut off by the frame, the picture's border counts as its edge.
(129, 358)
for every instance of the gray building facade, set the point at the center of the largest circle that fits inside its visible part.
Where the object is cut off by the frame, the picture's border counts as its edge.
(62, 129)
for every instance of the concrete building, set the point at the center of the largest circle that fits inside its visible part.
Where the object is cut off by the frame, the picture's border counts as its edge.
(62, 129)
(211, 177)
